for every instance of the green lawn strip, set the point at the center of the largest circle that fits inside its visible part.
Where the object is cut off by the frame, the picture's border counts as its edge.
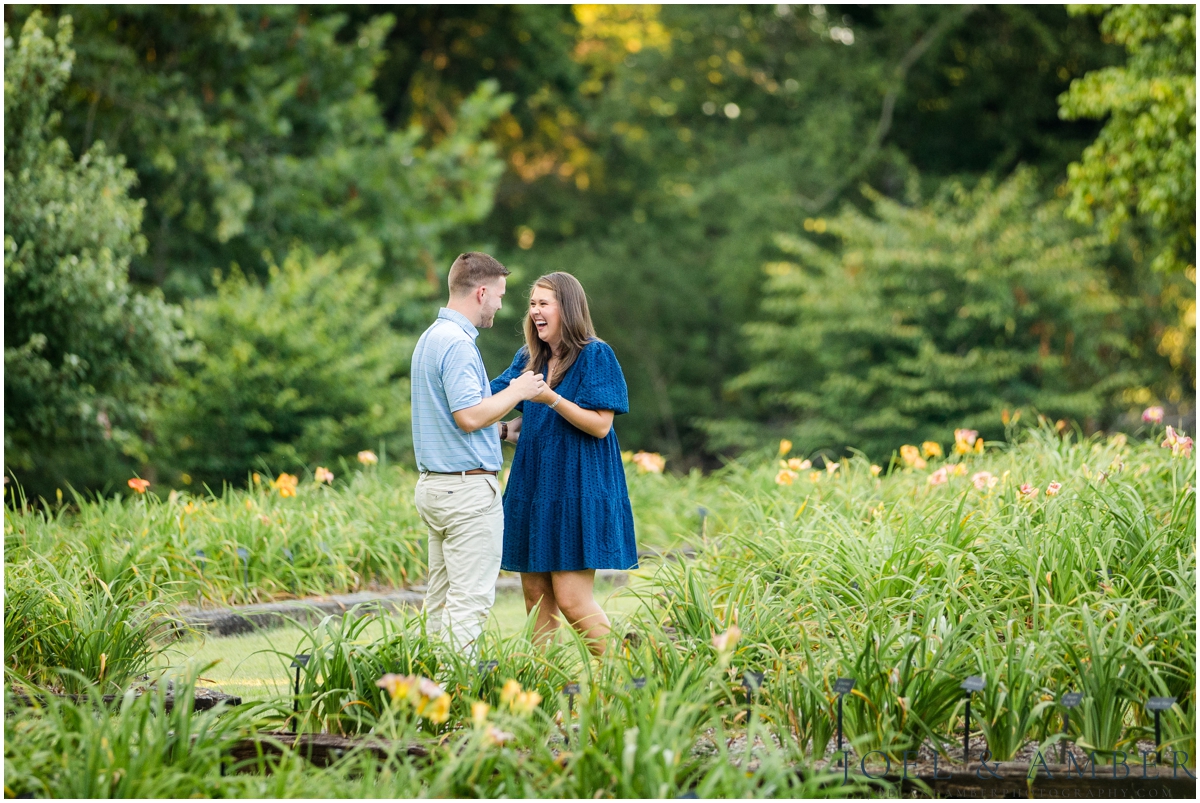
(251, 667)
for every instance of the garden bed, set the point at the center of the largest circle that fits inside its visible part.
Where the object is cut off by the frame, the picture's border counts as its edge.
(202, 699)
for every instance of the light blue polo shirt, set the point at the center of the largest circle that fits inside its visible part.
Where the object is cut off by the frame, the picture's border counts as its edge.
(447, 376)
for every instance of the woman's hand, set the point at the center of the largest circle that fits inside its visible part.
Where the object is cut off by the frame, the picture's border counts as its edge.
(547, 396)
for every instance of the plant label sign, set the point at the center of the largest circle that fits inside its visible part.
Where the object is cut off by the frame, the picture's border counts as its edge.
(486, 666)
(972, 684)
(1071, 699)
(571, 688)
(752, 680)
(300, 660)
(1160, 703)
(638, 683)
(843, 685)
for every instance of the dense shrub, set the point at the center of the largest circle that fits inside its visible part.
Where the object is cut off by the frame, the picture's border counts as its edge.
(297, 371)
(895, 328)
(81, 346)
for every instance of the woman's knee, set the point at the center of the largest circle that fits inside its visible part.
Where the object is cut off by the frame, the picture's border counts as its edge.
(574, 598)
(538, 590)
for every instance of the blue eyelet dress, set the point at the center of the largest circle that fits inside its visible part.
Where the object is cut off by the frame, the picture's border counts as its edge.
(566, 504)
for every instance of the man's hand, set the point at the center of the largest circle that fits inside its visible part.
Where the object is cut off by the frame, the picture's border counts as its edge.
(514, 429)
(495, 407)
(528, 385)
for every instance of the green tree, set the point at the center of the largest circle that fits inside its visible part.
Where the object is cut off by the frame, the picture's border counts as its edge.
(714, 127)
(82, 349)
(899, 327)
(1142, 167)
(252, 127)
(299, 370)
(1144, 160)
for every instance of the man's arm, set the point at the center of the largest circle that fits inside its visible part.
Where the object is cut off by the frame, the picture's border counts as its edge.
(495, 407)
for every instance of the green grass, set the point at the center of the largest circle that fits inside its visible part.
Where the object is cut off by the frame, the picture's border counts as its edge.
(906, 583)
(252, 667)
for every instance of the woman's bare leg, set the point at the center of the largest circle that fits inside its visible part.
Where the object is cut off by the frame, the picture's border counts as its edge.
(539, 589)
(573, 592)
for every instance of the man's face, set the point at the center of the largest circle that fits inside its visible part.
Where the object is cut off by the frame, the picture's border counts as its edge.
(490, 301)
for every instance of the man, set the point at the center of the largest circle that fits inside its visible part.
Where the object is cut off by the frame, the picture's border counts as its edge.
(454, 417)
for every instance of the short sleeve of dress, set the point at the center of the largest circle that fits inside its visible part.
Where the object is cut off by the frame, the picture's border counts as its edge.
(603, 384)
(510, 373)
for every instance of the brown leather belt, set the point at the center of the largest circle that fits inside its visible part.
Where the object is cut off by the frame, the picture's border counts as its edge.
(468, 472)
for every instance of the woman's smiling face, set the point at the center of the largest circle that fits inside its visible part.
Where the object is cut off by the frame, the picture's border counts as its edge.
(543, 311)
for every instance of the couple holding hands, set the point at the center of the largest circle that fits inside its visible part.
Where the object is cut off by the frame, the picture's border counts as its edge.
(565, 512)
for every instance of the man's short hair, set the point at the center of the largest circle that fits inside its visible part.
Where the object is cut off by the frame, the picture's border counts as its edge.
(473, 269)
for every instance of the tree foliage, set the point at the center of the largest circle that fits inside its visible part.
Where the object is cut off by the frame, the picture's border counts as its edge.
(299, 370)
(82, 348)
(252, 127)
(897, 326)
(1141, 169)
(713, 128)
(1144, 160)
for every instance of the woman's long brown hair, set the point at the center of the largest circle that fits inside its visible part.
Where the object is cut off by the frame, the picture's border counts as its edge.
(577, 329)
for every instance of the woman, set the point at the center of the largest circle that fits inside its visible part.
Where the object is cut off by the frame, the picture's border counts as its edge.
(566, 506)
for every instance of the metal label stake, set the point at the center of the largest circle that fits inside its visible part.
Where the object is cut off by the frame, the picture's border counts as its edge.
(245, 556)
(972, 684)
(841, 687)
(1069, 700)
(1158, 705)
(298, 662)
(751, 682)
(571, 689)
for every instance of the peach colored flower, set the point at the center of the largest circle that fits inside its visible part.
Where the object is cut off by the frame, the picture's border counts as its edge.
(398, 687)
(832, 467)
(323, 474)
(796, 464)
(286, 484)
(438, 710)
(139, 485)
(964, 439)
(509, 692)
(875, 470)
(525, 702)
(938, 477)
(785, 446)
(958, 470)
(497, 737)
(429, 689)
(931, 449)
(367, 457)
(814, 476)
(1053, 488)
(479, 712)
(650, 462)
(1153, 415)
(911, 456)
(1028, 491)
(728, 640)
(984, 479)
(785, 477)
(1179, 444)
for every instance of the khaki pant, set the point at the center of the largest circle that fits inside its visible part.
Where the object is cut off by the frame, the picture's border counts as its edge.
(465, 517)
